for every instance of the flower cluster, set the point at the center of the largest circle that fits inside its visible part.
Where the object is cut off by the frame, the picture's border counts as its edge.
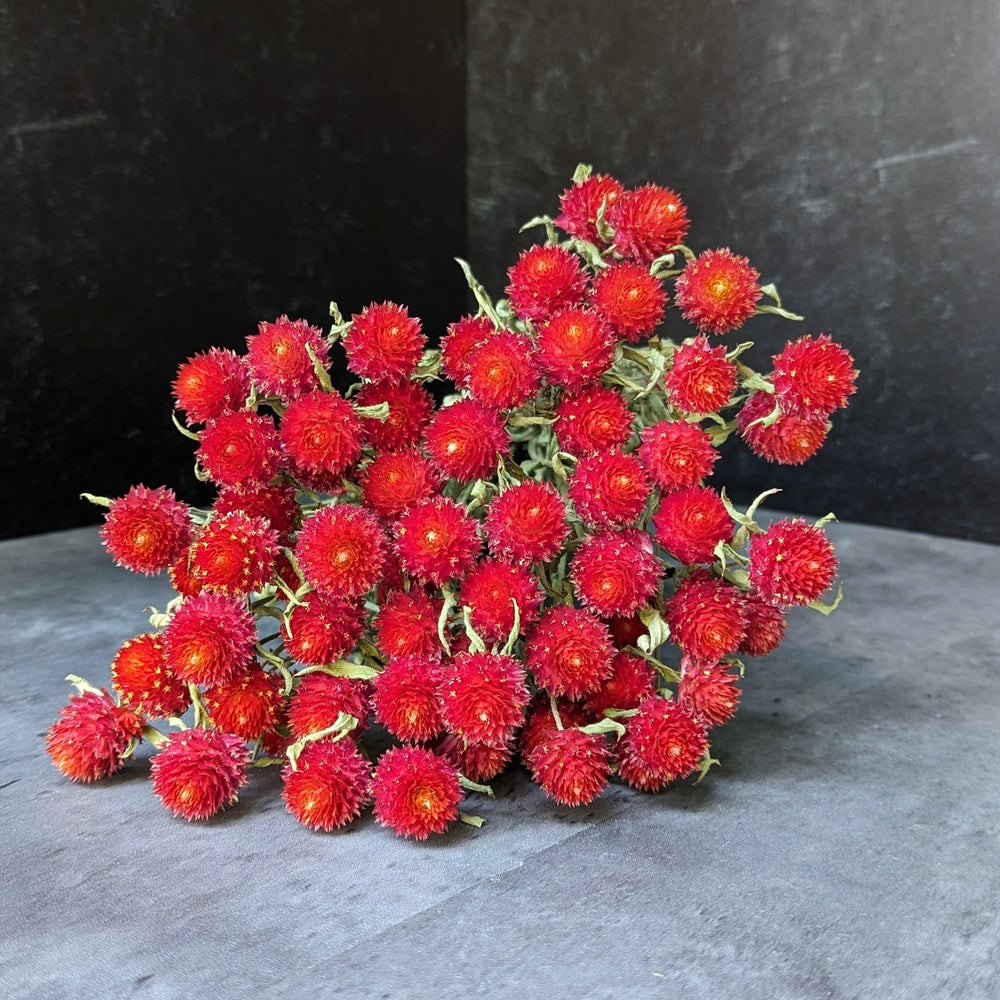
(532, 564)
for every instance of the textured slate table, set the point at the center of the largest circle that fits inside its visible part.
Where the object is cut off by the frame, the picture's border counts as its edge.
(847, 847)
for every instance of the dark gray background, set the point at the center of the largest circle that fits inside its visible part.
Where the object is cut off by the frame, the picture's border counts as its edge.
(172, 175)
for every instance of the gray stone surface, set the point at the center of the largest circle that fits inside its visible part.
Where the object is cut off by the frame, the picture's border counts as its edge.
(846, 848)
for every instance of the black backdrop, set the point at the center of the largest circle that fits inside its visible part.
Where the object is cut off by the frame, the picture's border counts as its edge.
(172, 174)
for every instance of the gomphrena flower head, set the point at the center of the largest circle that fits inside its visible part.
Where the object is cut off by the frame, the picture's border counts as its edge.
(545, 279)
(609, 489)
(144, 682)
(318, 700)
(328, 786)
(248, 705)
(384, 342)
(690, 523)
(476, 761)
(198, 772)
(210, 639)
(321, 432)
(211, 383)
(526, 522)
(146, 529)
(766, 626)
(395, 480)
(540, 722)
(437, 540)
(341, 550)
(483, 696)
(648, 221)
(240, 448)
(406, 624)
(616, 572)
(569, 652)
(718, 291)
(788, 438)
(278, 357)
(322, 629)
(90, 735)
(629, 299)
(813, 376)
(708, 691)
(490, 591)
(416, 791)
(583, 203)
(571, 766)
(502, 372)
(662, 743)
(407, 697)
(410, 408)
(459, 339)
(234, 554)
(702, 379)
(275, 502)
(676, 454)
(575, 348)
(595, 419)
(791, 563)
(466, 440)
(632, 679)
(707, 616)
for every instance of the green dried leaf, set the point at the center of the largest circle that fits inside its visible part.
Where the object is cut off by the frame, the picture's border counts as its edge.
(582, 172)
(83, 686)
(607, 725)
(187, 433)
(826, 609)
(471, 786)
(322, 375)
(477, 289)
(470, 820)
(378, 411)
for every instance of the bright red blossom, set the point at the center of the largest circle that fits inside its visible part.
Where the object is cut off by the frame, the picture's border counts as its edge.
(341, 550)
(410, 408)
(526, 522)
(406, 698)
(416, 792)
(90, 735)
(575, 348)
(662, 743)
(146, 530)
(437, 540)
(458, 341)
(483, 696)
(616, 573)
(545, 279)
(210, 639)
(322, 629)
(707, 616)
(407, 624)
(321, 432)
(328, 786)
(581, 204)
(648, 222)
(718, 291)
(813, 376)
(571, 766)
(708, 691)
(540, 723)
(632, 679)
(275, 503)
(569, 652)
(234, 554)
(247, 705)
(765, 626)
(791, 563)
(210, 384)
(320, 698)
(143, 681)
(240, 448)
(502, 372)
(384, 341)
(278, 357)
(788, 440)
(490, 590)
(609, 489)
(465, 440)
(702, 379)
(629, 299)
(676, 454)
(594, 419)
(394, 481)
(691, 522)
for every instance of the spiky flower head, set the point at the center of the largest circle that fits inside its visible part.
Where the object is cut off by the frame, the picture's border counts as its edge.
(437, 540)
(318, 700)
(384, 342)
(416, 792)
(789, 439)
(407, 697)
(629, 299)
(275, 502)
(707, 616)
(791, 563)
(616, 572)
(483, 696)
(341, 550)
(648, 221)
(569, 652)
(248, 705)
(410, 408)
(466, 440)
(609, 489)
(328, 786)
(90, 735)
(198, 772)
(406, 624)
(702, 379)
(527, 522)
(459, 339)
(278, 357)
(240, 448)
(575, 348)
(321, 432)
(476, 761)
(211, 383)
(234, 554)
(571, 766)
(146, 530)
(545, 279)
(766, 626)
(581, 204)
(595, 419)
(813, 376)
(490, 591)
(708, 691)
(676, 454)
(718, 291)
(395, 480)
(502, 372)
(691, 522)
(143, 681)
(540, 722)
(662, 743)
(321, 629)
(632, 679)
(210, 639)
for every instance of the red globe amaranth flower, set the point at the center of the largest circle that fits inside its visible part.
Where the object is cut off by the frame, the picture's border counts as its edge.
(406, 698)
(539, 722)
(146, 530)
(476, 761)
(571, 766)
(278, 357)
(502, 372)
(616, 573)
(791, 563)
(648, 222)
(210, 384)
(247, 705)
(632, 679)
(575, 348)
(395, 480)
(384, 341)
(90, 735)
(143, 681)
(690, 523)
(594, 419)
(320, 698)
(629, 299)
(569, 652)
(609, 489)
(321, 432)
(702, 379)
(234, 554)
(676, 454)
(436, 541)
(466, 440)
(545, 279)
(707, 616)
(322, 629)
(406, 625)
(708, 691)
(526, 522)
(813, 376)
(198, 772)
(788, 440)
(580, 206)
(210, 639)
(410, 408)
(328, 786)
(765, 627)
(275, 503)
(341, 550)
(483, 696)
(416, 792)
(182, 579)
(460, 337)
(662, 743)
(490, 590)
(718, 291)
(240, 448)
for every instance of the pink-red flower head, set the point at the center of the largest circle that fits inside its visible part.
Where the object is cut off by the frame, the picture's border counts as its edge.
(235, 554)
(616, 573)
(416, 792)
(691, 522)
(791, 563)
(581, 204)
(813, 376)
(707, 616)
(609, 489)
(491, 589)
(210, 384)
(90, 735)
(575, 348)
(526, 522)
(321, 432)
(328, 787)
(571, 766)
(629, 299)
(789, 439)
(569, 652)
(545, 279)
(341, 550)
(663, 742)
(436, 540)
(241, 448)
(465, 440)
(407, 697)
(146, 530)
(702, 379)
(322, 629)
(676, 454)
(384, 341)
(210, 639)
(594, 419)
(144, 682)
(278, 357)
(501, 370)
(718, 291)
(648, 222)
(483, 696)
